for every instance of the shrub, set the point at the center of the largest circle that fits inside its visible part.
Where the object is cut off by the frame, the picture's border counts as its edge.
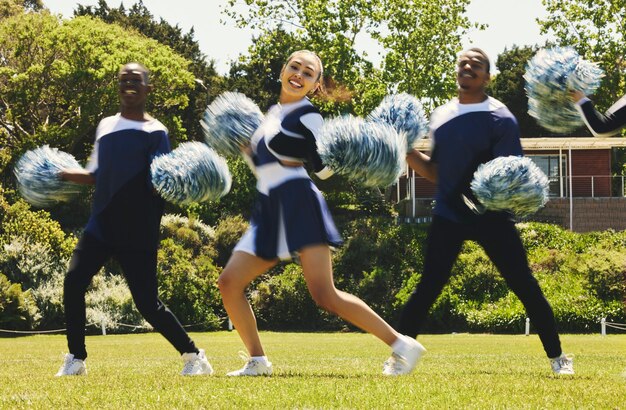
(189, 286)
(17, 309)
(227, 233)
(109, 301)
(282, 301)
(36, 227)
(190, 233)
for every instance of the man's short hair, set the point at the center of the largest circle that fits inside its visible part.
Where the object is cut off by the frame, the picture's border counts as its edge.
(139, 68)
(482, 53)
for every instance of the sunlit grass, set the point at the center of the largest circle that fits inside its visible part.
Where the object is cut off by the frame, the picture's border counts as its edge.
(316, 370)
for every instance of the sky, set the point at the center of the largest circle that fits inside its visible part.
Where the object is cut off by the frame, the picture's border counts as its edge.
(511, 22)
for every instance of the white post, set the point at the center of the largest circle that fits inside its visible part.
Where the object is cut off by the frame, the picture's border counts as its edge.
(103, 327)
(603, 326)
(592, 187)
(571, 193)
(413, 193)
(527, 326)
(230, 324)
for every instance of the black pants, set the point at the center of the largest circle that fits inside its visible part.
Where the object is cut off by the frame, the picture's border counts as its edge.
(139, 267)
(502, 244)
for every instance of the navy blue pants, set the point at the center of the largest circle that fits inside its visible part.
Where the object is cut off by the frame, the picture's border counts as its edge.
(139, 267)
(497, 234)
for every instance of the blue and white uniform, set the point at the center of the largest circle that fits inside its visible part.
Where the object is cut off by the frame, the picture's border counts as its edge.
(463, 137)
(126, 212)
(290, 212)
(603, 125)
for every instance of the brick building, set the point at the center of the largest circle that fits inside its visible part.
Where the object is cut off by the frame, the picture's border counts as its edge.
(580, 165)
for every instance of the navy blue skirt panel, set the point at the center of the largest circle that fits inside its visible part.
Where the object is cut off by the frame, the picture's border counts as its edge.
(305, 214)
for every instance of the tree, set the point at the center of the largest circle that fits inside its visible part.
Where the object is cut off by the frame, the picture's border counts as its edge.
(330, 28)
(208, 83)
(10, 8)
(422, 40)
(508, 87)
(58, 79)
(597, 30)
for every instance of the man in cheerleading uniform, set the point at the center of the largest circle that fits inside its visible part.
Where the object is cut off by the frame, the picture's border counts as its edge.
(124, 223)
(601, 125)
(467, 131)
(291, 218)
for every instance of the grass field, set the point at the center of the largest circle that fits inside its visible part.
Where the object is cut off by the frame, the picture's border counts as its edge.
(316, 370)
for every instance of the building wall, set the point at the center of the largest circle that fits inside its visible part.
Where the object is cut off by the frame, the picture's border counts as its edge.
(591, 170)
(589, 214)
(587, 164)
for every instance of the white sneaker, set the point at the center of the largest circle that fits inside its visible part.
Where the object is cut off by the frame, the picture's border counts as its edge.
(253, 367)
(196, 364)
(72, 367)
(403, 362)
(563, 364)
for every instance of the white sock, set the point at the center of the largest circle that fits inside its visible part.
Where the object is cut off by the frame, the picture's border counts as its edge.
(260, 359)
(400, 345)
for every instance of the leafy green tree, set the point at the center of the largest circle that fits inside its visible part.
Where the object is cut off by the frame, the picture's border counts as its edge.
(597, 30)
(422, 40)
(508, 87)
(13, 7)
(208, 83)
(59, 78)
(330, 28)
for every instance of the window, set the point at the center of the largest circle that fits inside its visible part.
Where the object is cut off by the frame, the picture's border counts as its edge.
(555, 171)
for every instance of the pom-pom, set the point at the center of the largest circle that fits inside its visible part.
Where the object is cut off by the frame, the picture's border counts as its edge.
(229, 122)
(371, 153)
(405, 113)
(550, 75)
(511, 183)
(38, 176)
(192, 172)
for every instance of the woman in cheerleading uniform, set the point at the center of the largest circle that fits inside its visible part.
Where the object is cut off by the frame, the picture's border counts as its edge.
(291, 218)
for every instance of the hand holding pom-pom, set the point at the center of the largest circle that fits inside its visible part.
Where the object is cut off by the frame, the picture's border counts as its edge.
(38, 174)
(550, 77)
(405, 113)
(229, 122)
(192, 172)
(511, 183)
(371, 153)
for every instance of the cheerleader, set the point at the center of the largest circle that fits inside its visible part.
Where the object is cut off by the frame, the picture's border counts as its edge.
(467, 131)
(124, 224)
(601, 125)
(291, 218)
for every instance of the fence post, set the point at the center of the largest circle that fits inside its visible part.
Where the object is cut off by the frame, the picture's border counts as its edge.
(103, 327)
(592, 187)
(230, 324)
(527, 326)
(603, 327)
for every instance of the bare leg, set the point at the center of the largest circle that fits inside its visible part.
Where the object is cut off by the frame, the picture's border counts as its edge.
(241, 269)
(318, 273)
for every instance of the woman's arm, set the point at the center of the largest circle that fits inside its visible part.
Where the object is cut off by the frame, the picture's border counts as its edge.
(600, 125)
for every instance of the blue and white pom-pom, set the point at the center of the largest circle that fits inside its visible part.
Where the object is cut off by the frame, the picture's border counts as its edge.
(550, 74)
(38, 176)
(371, 153)
(511, 183)
(406, 114)
(229, 122)
(192, 172)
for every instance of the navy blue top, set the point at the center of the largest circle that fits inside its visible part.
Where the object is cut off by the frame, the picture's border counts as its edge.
(126, 212)
(463, 137)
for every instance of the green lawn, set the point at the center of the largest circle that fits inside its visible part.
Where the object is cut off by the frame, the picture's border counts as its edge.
(316, 370)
